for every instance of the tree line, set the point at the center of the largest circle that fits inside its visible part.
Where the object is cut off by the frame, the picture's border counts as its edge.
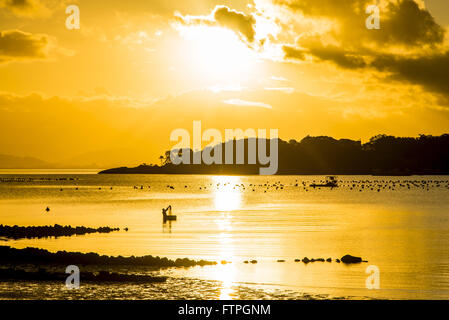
(381, 155)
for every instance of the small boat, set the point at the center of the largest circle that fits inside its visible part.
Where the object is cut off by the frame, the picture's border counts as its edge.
(331, 182)
(169, 218)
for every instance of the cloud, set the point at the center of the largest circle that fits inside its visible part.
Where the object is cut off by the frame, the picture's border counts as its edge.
(408, 48)
(19, 45)
(402, 22)
(281, 89)
(239, 22)
(275, 78)
(331, 53)
(25, 7)
(21, 5)
(431, 71)
(290, 52)
(341, 57)
(410, 25)
(244, 103)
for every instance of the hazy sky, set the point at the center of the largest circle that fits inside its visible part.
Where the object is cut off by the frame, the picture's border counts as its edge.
(113, 90)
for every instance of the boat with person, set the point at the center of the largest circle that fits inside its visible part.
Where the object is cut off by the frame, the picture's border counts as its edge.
(169, 216)
(331, 182)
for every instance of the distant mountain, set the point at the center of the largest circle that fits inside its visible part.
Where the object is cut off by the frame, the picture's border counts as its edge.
(103, 158)
(13, 162)
(98, 159)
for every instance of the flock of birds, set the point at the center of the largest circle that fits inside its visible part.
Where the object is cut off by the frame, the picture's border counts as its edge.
(353, 185)
(376, 185)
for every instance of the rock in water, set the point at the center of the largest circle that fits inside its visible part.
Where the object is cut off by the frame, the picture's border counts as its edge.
(351, 259)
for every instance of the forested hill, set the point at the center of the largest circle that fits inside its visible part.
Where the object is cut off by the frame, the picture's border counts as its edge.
(381, 155)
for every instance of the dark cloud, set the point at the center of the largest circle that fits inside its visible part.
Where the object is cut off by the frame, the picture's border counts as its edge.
(402, 22)
(19, 45)
(291, 52)
(22, 7)
(20, 4)
(431, 72)
(237, 21)
(325, 8)
(241, 23)
(408, 24)
(340, 57)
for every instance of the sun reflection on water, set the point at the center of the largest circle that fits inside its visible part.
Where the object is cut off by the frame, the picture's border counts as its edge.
(227, 195)
(227, 292)
(227, 198)
(226, 271)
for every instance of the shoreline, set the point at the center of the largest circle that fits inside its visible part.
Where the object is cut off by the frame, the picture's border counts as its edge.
(21, 274)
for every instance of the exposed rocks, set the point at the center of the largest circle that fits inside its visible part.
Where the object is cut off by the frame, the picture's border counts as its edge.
(16, 232)
(348, 259)
(36, 256)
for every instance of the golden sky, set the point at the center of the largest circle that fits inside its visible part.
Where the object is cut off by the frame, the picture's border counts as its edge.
(112, 91)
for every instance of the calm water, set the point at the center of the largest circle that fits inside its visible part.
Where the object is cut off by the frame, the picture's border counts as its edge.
(404, 231)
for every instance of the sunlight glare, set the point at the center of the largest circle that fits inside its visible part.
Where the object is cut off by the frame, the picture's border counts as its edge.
(216, 52)
(227, 197)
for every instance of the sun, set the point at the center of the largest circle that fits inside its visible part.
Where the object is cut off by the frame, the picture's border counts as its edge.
(216, 53)
(228, 196)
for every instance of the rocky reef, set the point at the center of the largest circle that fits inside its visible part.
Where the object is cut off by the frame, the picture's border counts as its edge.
(34, 256)
(17, 232)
